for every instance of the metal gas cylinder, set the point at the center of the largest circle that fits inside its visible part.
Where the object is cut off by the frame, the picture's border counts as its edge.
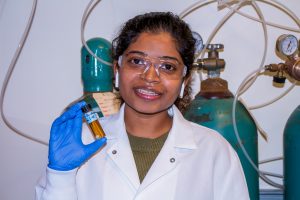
(97, 76)
(212, 107)
(291, 161)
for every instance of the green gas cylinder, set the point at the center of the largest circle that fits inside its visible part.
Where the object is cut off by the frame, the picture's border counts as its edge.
(96, 76)
(212, 107)
(291, 161)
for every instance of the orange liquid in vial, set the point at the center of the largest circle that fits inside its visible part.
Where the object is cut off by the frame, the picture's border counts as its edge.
(97, 129)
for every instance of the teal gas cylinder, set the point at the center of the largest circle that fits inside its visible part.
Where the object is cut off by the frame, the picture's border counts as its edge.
(291, 161)
(212, 107)
(96, 76)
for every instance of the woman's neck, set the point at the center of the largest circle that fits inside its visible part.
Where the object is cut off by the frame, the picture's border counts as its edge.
(146, 125)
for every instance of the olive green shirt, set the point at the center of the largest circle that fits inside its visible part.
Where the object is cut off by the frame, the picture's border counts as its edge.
(145, 151)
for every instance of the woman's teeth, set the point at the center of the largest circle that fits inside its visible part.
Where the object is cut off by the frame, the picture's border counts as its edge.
(147, 92)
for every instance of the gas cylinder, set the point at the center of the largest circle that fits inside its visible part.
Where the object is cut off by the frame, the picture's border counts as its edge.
(96, 76)
(291, 161)
(212, 107)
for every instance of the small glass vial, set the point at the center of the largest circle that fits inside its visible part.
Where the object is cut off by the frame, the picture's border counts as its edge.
(92, 120)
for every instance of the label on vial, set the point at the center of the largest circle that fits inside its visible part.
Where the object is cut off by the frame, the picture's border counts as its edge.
(90, 117)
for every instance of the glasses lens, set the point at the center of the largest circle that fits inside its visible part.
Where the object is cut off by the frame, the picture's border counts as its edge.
(170, 68)
(134, 63)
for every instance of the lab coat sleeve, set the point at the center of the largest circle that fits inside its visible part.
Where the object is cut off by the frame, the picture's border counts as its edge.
(57, 185)
(230, 178)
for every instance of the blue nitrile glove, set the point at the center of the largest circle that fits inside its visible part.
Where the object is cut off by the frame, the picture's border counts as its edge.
(66, 150)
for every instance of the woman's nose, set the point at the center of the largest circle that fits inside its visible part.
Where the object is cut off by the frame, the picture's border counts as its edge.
(151, 74)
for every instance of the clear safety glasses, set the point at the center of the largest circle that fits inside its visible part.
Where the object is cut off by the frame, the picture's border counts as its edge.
(164, 67)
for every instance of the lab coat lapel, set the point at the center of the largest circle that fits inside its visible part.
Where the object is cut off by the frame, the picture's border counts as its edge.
(180, 137)
(165, 162)
(120, 152)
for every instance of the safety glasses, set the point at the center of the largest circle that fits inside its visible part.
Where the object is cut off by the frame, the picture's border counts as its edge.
(140, 64)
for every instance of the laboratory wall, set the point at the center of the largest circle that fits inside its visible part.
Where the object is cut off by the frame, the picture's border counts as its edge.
(47, 76)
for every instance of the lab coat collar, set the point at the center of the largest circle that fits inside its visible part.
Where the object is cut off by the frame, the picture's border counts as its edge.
(181, 129)
(183, 134)
(180, 136)
(118, 120)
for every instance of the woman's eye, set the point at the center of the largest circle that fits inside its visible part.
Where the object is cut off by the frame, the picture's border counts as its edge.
(168, 67)
(136, 61)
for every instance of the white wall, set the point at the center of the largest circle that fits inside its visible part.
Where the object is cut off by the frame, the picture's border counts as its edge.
(47, 75)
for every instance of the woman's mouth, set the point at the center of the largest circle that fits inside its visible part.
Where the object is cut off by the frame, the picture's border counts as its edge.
(147, 94)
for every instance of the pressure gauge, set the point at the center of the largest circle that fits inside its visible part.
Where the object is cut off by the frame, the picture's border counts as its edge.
(199, 42)
(287, 44)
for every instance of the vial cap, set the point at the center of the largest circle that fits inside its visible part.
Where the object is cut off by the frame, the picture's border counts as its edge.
(86, 108)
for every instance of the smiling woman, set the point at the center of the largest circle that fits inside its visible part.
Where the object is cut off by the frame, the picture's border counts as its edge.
(151, 151)
(148, 89)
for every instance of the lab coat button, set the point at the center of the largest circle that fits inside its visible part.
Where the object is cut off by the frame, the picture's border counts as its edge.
(172, 160)
(114, 151)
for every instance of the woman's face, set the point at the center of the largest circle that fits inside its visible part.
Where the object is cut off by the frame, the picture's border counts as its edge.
(150, 73)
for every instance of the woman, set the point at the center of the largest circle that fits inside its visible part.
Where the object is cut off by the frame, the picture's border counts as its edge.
(151, 151)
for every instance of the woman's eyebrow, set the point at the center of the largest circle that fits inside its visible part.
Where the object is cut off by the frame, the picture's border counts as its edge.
(145, 54)
(137, 52)
(169, 57)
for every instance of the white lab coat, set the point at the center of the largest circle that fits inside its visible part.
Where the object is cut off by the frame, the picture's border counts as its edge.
(194, 163)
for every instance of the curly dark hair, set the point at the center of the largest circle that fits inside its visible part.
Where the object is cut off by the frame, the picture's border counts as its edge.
(156, 22)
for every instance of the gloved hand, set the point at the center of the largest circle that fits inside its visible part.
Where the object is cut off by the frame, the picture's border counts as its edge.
(66, 150)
